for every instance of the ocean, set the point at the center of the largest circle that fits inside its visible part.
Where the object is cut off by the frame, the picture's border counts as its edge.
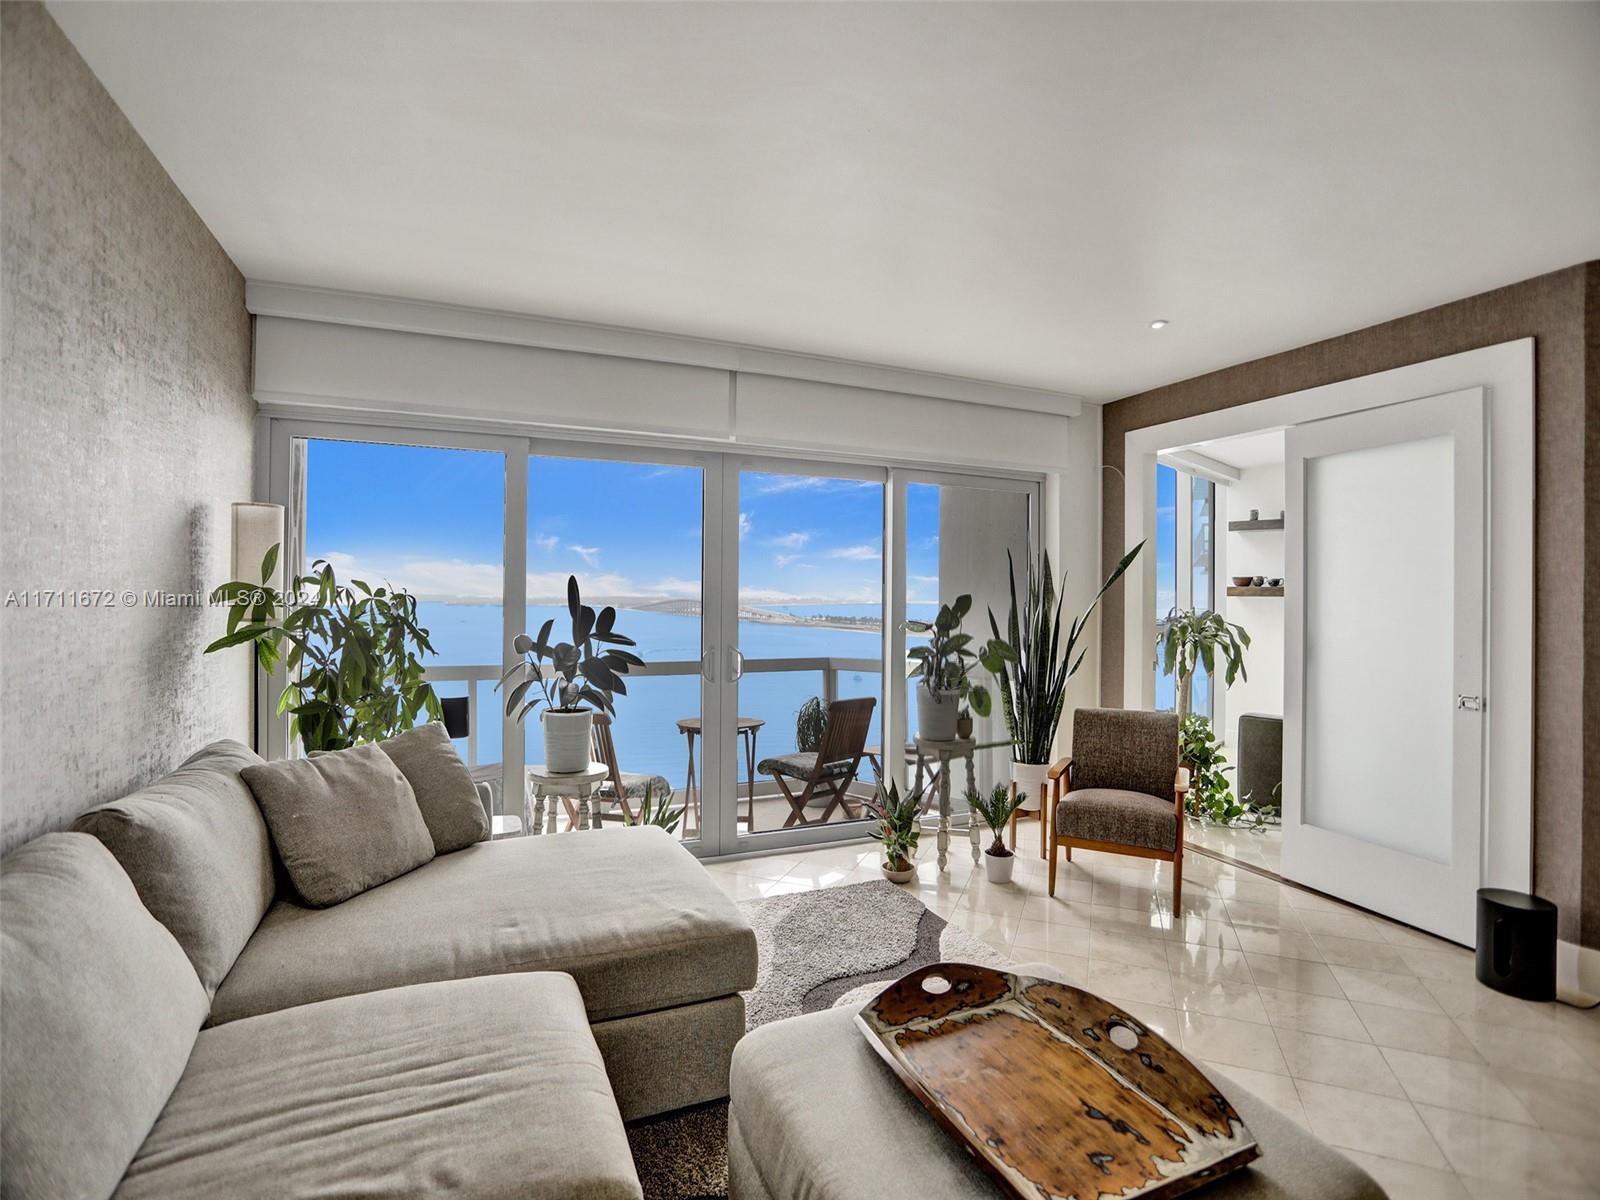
(646, 732)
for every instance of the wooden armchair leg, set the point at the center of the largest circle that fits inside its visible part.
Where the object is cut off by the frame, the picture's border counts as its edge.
(1177, 883)
(1053, 856)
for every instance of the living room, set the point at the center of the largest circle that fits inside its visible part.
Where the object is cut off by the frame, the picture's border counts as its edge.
(583, 579)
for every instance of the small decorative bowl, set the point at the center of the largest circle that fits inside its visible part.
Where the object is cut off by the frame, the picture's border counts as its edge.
(1259, 581)
(1274, 583)
(1241, 581)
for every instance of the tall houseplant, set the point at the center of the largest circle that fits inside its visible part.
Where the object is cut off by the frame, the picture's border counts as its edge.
(569, 676)
(1187, 640)
(353, 657)
(1033, 665)
(944, 665)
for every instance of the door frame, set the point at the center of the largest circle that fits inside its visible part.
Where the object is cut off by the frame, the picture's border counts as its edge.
(1506, 373)
(1378, 877)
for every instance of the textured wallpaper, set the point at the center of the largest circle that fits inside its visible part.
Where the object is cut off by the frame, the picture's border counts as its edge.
(125, 434)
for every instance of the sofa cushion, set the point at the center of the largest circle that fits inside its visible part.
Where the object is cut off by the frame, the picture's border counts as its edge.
(1125, 818)
(342, 822)
(198, 853)
(444, 789)
(480, 1089)
(627, 912)
(99, 1008)
(813, 1107)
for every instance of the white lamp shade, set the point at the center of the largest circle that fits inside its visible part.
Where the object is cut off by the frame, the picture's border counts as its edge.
(256, 529)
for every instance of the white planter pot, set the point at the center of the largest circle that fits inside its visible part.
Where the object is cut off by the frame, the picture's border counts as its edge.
(1030, 780)
(937, 713)
(997, 868)
(894, 876)
(566, 741)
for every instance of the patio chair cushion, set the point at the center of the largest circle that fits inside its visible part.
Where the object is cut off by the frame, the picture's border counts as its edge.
(480, 1089)
(198, 852)
(633, 787)
(342, 822)
(1125, 749)
(627, 912)
(800, 765)
(1123, 818)
(447, 797)
(99, 1009)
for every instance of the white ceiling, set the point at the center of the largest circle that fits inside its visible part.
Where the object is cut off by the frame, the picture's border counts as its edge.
(1246, 450)
(1010, 192)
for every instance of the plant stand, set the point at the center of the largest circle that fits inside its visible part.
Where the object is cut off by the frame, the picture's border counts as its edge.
(943, 752)
(577, 785)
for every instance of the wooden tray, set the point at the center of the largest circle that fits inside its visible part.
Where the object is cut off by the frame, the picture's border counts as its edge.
(1057, 1093)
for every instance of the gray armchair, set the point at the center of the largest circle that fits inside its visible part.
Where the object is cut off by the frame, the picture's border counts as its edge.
(1122, 791)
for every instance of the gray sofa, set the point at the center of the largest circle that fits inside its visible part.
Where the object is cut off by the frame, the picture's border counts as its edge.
(175, 1024)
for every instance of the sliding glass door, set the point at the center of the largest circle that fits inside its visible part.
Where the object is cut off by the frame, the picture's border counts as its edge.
(766, 596)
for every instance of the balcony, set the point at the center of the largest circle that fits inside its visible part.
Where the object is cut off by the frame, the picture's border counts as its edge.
(650, 740)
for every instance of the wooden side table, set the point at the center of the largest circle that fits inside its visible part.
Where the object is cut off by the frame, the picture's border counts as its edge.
(578, 785)
(748, 727)
(943, 752)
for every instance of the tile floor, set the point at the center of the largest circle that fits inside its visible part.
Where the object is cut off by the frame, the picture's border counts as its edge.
(1374, 1036)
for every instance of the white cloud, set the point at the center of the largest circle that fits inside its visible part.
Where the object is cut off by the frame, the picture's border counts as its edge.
(861, 553)
(785, 560)
(770, 485)
(676, 588)
(550, 587)
(424, 578)
(744, 525)
(546, 542)
(790, 541)
(589, 554)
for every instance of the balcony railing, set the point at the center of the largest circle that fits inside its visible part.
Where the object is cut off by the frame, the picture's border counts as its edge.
(473, 675)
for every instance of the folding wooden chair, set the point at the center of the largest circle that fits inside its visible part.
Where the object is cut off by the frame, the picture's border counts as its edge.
(824, 777)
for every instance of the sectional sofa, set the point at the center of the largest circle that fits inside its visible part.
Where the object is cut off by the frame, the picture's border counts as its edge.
(176, 1024)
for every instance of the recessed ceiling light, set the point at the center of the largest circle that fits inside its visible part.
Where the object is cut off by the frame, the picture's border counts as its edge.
(1160, 324)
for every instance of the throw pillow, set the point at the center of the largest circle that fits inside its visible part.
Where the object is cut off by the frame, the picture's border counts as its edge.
(342, 822)
(445, 792)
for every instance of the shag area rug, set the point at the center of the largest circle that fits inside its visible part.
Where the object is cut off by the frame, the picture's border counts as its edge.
(836, 946)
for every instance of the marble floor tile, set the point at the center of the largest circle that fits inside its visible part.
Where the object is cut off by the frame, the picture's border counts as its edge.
(1293, 975)
(1486, 1148)
(1277, 1090)
(1522, 1049)
(1204, 962)
(1232, 1043)
(1057, 911)
(1313, 1014)
(1359, 1066)
(1056, 938)
(1354, 952)
(1279, 943)
(1426, 1033)
(1108, 945)
(1264, 916)
(1558, 1105)
(1385, 987)
(1341, 924)
(1378, 1125)
(1452, 1083)
(1240, 1001)
(1119, 981)
(1467, 999)
(1409, 1181)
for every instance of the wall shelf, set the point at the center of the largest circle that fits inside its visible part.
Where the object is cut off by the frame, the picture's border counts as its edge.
(1264, 523)
(1255, 591)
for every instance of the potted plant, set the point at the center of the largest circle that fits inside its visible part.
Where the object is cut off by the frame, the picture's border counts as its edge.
(896, 828)
(1187, 640)
(810, 723)
(996, 808)
(353, 657)
(1210, 798)
(1033, 666)
(943, 665)
(570, 675)
(964, 724)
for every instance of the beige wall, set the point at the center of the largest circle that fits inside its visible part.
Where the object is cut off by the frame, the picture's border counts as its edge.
(1560, 312)
(125, 434)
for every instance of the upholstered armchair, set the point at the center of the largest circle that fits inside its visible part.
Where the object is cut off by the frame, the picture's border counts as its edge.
(1122, 791)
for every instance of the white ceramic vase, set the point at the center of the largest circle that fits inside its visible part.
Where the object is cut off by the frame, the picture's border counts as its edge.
(997, 867)
(937, 713)
(566, 741)
(1030, 779)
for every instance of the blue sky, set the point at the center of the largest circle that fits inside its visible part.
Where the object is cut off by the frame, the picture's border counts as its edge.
(431, 520)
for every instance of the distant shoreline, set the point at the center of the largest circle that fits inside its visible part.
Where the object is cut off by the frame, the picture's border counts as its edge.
(694, 608)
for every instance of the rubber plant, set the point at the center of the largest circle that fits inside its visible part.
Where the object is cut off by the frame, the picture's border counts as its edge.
(353, 653)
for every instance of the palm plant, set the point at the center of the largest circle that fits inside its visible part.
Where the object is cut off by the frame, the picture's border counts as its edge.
(996, 808)
(1188, 639)
(353, 656)
(1032, 663)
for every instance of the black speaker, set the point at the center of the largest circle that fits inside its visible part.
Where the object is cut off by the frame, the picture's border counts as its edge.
(1517, 944)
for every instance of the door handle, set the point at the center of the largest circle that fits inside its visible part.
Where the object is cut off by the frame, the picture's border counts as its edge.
(708, 666)
(1470, 703)
(735, 664)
